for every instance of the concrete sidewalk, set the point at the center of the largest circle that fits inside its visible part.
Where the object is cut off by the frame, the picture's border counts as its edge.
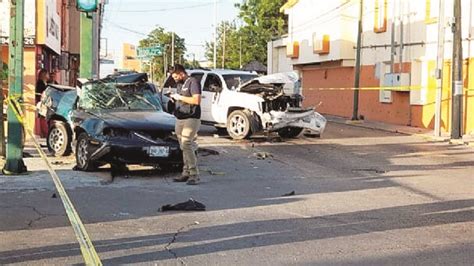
(425, 133)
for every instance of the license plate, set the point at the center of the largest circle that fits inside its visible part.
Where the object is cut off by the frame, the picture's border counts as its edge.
(159, 151)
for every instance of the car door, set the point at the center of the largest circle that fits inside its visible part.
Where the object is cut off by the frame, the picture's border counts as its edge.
(212, 87)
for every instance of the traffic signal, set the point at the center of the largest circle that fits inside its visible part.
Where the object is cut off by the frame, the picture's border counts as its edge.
(86, 5)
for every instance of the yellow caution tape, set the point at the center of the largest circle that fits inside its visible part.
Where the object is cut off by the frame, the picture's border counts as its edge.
(395, 88)
(87, 248)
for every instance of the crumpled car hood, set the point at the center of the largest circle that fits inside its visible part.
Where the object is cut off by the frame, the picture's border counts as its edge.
(139, 120)
(273, 82)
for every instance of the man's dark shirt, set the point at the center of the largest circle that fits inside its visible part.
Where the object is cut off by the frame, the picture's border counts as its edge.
(189, 88)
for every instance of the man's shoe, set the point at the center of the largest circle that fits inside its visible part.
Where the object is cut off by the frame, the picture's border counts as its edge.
(193, 180)
(182, 178)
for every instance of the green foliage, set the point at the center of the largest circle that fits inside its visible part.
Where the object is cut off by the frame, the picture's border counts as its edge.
(232, 46)
(159, 37)
(261, 21)
(4, 72)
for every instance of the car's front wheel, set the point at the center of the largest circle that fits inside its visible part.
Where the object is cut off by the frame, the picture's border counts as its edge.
(58, 139)
(84, 151)
(238, 125)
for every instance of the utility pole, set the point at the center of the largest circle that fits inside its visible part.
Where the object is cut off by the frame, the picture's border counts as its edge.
(439, 69)
(457, 85)
(355, 111)
(215, 33)
(223, 47)
(86, 46)
(14, 163)
(2, 129)
(172, 49)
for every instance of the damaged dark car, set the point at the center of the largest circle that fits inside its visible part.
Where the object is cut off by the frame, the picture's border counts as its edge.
(116, 121)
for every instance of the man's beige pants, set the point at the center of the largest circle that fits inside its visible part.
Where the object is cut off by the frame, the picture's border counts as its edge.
(186, 131)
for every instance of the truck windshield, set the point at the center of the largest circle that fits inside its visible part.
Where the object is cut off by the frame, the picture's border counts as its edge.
(117, 96)
(233, 81)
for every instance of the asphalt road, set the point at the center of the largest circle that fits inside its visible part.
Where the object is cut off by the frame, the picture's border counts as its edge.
(362, 197)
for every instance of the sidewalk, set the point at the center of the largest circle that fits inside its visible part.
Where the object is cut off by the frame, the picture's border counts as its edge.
(427, 134)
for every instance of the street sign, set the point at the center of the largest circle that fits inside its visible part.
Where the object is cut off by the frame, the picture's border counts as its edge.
(87, 5)
(148, 52)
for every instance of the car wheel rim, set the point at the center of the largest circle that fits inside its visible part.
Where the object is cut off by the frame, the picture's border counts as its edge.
(56, 139)
(238, 125)
(82, 153)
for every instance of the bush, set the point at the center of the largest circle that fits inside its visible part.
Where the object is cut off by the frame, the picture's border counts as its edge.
(4, 72)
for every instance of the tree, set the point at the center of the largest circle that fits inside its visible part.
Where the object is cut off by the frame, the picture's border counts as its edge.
(228, 32)
(4, 72)
(159, 37)
(262, 21)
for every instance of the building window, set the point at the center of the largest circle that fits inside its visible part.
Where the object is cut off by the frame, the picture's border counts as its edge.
(380, 18)
(321, 44)
(432, 11)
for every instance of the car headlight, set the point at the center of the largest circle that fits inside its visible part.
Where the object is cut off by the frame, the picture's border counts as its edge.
(116, 132)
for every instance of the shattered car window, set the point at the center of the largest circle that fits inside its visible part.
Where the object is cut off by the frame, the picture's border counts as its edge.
(234, 81)
(118, 96)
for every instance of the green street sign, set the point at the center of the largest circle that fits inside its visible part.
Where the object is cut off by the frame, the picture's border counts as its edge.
(86, 5)
(148, 52)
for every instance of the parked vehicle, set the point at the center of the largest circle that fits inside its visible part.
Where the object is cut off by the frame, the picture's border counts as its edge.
(245, 104)
(110, 122)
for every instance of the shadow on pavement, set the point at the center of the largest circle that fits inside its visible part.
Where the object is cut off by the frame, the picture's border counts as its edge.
(266, 233)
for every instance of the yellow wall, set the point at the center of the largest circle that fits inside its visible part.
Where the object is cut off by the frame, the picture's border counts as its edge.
(426, 113)
(29, 83)
(129, 51)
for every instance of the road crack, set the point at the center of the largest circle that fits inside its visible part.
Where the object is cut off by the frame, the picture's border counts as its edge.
(173, 240)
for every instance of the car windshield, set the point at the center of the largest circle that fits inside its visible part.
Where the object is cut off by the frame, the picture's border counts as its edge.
(118, 96)
(233, 81)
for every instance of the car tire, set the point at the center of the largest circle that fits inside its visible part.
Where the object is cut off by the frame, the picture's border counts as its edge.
(238, 125)
(59, 139)
(290, 132)
(84, 151)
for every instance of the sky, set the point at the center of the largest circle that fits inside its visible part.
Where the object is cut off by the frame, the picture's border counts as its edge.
(126, 21)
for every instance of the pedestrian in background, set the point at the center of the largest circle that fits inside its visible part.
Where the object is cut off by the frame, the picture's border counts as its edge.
(41, 126)
(188, 115)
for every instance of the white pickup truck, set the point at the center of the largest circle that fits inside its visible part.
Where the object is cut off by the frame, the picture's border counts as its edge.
(245, 104)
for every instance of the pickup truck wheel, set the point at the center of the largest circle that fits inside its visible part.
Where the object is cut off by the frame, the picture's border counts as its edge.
(290, 132)
(58, 140)
(238, 125)
(83, 153)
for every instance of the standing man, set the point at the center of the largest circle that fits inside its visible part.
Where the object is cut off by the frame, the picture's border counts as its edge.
(188, 114)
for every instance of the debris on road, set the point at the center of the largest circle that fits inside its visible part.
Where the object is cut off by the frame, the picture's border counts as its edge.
(377, 171)
(190, 205)
(289, 194)
(212, 172)
(263, 155)
(54, 196)
(207, 152)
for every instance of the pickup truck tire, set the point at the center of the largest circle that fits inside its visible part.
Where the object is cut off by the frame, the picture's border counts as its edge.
(238, 125)
(290, 132)
(59, 139)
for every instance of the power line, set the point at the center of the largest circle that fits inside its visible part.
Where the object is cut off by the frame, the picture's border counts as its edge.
(165, 9)
(126, 29)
